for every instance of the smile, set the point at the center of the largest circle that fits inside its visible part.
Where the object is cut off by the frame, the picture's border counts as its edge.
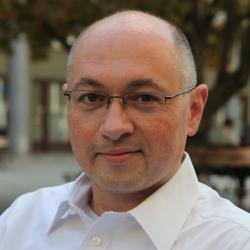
(119, 155)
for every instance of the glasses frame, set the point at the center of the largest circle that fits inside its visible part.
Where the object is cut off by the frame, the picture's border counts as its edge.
(123, 97)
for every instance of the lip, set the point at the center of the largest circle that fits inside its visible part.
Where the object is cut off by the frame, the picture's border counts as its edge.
(119, 155)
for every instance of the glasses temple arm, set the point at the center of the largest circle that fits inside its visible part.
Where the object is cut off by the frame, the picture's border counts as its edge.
(181, 93)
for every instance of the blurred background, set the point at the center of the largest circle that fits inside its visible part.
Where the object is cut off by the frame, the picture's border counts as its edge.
(35, 37)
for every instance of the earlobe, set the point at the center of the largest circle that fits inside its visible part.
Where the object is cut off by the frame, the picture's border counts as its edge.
(197, 104)
(65, 87)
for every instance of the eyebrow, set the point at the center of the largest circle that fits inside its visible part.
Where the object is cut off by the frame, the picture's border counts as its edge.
(85, 81)
(132, 85)
(141, 84)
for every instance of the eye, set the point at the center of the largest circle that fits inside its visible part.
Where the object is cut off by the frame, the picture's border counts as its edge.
(91, 98)
(144, 100)
(147, 98)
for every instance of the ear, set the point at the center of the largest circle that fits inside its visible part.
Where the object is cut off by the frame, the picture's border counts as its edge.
(65, 87)
(197, 104)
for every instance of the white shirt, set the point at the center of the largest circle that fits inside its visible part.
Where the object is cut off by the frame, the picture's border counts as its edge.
(182, 215)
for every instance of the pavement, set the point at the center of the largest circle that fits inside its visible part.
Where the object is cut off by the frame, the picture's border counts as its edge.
(26, 173)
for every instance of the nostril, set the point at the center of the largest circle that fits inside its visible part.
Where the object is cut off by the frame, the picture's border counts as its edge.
(118, 137)
(116, 126)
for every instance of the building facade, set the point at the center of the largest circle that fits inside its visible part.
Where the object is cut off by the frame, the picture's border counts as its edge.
(33, 108)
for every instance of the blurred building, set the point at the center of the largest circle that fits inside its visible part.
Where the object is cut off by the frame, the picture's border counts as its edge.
(32, 105)
(33, 119)
(33, 108)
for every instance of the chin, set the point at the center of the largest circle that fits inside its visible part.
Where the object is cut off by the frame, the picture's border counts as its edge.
(119, 185)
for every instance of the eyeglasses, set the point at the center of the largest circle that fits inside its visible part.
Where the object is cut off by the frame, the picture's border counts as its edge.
(93, 101)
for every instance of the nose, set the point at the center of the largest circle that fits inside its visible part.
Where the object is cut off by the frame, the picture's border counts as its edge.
(116, 123)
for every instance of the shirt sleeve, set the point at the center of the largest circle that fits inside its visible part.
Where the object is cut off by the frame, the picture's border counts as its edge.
(246, 244)
(3, 226)
(4, 222)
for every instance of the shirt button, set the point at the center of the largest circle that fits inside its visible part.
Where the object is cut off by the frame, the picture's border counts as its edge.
(71, 211)
(97, 241)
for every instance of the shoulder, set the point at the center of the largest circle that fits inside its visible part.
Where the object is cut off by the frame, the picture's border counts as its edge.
(30, 214)
(48, 194)
(220, 215)
(37, 202)
(212, 206)
(217, 223)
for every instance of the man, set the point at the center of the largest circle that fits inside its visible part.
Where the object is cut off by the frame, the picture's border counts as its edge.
(133, 100)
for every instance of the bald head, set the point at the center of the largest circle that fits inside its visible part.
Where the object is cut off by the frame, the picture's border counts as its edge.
(136, 24)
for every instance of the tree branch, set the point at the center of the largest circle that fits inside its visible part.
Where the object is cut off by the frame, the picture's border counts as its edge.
(228, 39)
(244, 68)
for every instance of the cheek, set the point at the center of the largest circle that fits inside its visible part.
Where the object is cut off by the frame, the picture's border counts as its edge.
(157, 134)
(165, 135)
(81, 132)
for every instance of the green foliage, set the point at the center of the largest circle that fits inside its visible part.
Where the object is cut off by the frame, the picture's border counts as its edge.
(214, 28)
(44, 20)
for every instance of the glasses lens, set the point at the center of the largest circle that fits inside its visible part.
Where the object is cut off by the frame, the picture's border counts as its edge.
(144, 101)
(89, 101)
(141, 103)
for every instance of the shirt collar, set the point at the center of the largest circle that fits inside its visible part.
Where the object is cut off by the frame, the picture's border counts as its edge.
(76, 198)
(163, 214)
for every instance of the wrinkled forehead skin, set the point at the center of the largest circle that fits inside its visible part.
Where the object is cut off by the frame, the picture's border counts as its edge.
(131, 33)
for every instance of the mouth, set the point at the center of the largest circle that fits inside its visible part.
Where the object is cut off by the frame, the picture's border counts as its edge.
(119, 155)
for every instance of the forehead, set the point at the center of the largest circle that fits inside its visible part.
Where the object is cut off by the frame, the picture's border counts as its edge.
(114, 51)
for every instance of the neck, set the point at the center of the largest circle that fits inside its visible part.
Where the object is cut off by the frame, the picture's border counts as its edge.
(102, 200)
